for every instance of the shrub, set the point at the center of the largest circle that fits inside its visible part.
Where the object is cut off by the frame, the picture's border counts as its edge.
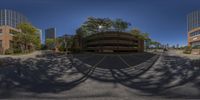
(16, 51)
(62, 48)
(9, 51)
(196, 47)
(76, 50)
(188, 50)
(43, 47)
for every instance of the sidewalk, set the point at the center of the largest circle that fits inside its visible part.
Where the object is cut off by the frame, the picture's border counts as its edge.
(180, 53)
(24, 56)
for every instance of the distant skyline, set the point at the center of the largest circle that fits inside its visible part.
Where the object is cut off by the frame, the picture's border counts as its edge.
(164, 20)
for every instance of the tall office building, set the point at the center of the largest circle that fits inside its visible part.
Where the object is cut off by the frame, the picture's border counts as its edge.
(50, 33)
(9, 20)
(40, 34)
(193, 26)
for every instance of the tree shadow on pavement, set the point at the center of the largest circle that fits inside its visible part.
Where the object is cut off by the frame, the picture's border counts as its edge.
(49, 73)
(105, 70)
(173, 72)
(54, 73)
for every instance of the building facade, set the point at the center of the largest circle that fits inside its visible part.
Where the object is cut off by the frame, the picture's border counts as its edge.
(9, 20)
(50, 33)
(193, 27)
(39, 32)
(105, 42)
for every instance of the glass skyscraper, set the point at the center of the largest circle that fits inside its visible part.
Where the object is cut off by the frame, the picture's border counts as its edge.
(50, 33)
(193, 27)
(11, 18)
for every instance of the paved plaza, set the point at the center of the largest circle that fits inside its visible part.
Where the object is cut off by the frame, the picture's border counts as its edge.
(141, 76)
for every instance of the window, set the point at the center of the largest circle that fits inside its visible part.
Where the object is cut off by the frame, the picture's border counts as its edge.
(1, 31)
(195, 44)
(12, 31)
(195, 33)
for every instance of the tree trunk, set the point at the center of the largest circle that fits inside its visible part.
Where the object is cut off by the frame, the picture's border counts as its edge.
(21, 47)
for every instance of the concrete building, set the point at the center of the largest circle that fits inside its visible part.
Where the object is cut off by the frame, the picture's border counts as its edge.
(113, 42)
(193, 27)
(9, 20)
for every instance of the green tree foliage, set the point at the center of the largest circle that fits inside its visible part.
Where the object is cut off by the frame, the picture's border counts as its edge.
(187, 50)
(64, 43)
(137, 33)
(98, 24)
(94, 25)
(120, 25)
(28, 39)
(144, 36)
(147, 40)
(69, 43)
(83, 31)
(50, 43)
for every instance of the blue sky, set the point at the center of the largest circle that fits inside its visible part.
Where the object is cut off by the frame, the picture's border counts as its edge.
(164, 20)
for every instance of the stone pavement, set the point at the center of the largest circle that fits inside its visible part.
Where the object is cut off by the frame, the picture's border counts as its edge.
(59, 77)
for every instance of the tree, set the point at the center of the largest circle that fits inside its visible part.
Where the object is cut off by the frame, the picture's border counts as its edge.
(147, 40)
(97, 24)
(142, 36)
(64, 43)
(93, 25)
(83, 31)
(135, 32)
(145, 36)
(69, 43)
(187, 50)
(28, 39)
(50, 43)
(78, 38)
(120, 25)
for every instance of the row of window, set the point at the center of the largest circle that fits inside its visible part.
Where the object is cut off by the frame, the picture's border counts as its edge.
(12, 23)
(11, 18)
(195, 33)
(10, 31)
(194, 20)
(195, 44)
